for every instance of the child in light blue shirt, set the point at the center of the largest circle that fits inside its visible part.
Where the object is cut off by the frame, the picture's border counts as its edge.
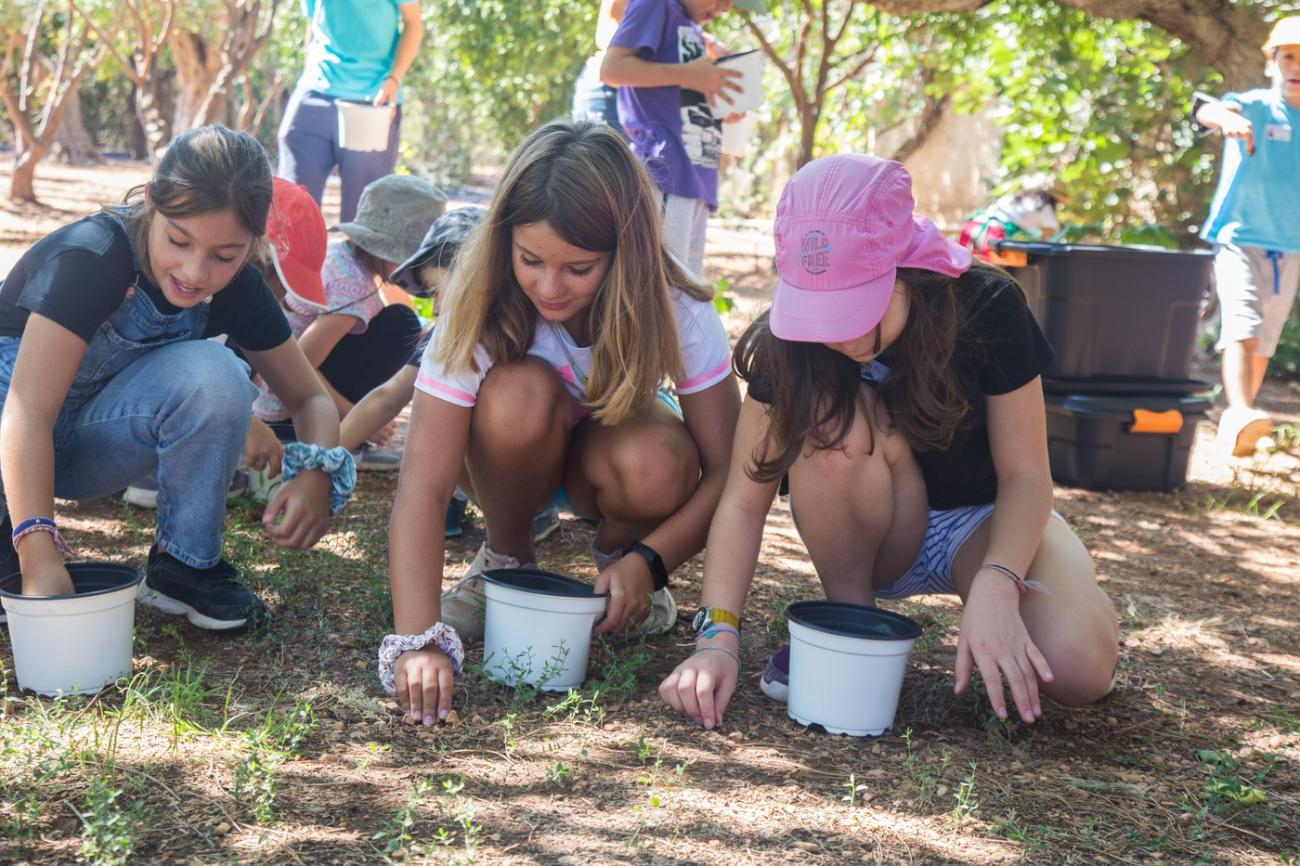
(1252, 219)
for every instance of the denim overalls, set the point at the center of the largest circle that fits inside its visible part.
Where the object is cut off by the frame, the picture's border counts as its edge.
(152, 396)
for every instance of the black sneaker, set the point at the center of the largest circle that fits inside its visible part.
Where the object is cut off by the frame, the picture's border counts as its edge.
(211, 598)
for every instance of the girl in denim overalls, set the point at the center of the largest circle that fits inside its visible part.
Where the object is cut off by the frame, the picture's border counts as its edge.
(106, 376)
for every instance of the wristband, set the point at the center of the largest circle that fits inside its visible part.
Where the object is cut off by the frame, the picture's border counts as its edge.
(652, 558)
(718, 649)
(708, 616)
(1021, 583)
(338, 462)
(716, 629)
(40, 524)
(439, 634)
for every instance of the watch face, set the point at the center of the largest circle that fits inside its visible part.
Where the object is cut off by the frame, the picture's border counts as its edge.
(700, 619)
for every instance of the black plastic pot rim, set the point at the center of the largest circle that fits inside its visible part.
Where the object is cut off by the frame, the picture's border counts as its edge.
(805, 614)
(561, 586)
(130, 577)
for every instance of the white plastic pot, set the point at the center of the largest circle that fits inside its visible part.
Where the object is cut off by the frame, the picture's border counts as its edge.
(76, 643)
(363, 126)
(736, 136)
(261, 486)
(538, 628)
(750, 65)
(846, 665)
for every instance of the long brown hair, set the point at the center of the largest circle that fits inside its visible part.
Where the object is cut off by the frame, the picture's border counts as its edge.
(583, 181)
(205, 170)
(815, 390)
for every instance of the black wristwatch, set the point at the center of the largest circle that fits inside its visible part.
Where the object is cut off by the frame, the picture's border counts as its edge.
(652, 558)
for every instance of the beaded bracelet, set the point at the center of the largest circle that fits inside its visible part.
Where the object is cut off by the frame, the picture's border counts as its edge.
(439, 634)
(718, 649)
(338, 462)
(41, 524)
(1021, 583)
(717, 628)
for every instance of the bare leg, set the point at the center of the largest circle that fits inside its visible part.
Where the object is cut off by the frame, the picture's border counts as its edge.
(517, 439)
(862, 512)
(1075, 628)
(1243, 372)
(633, 475)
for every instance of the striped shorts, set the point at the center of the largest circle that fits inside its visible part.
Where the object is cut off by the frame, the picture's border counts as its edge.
(946, 533)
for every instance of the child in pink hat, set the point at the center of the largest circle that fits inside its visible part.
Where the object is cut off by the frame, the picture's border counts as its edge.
(896, 386)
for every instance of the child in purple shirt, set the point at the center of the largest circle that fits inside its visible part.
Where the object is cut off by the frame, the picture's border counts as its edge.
(668, 88)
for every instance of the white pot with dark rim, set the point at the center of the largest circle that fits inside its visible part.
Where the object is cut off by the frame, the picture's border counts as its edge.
(538, 628)
(846, 665)
(75, 643)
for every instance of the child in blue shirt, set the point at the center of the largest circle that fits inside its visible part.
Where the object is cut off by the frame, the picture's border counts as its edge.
(1257, 266)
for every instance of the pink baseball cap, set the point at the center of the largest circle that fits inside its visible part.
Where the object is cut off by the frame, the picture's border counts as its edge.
(844, 226)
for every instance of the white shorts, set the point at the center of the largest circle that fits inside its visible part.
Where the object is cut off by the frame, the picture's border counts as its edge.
(686, 220)
(1256, 289)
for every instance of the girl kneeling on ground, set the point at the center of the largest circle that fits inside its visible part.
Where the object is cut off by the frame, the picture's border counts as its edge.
(898, 389)
(106, 376)
(561, 319)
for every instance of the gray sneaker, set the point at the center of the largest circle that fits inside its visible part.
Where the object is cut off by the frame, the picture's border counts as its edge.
(372, 458)
(464, 605)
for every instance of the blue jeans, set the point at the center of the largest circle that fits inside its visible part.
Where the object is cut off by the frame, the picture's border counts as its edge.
(150, 397)
(309, 150)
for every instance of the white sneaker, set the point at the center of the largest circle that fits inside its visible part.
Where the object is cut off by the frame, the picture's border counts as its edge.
(464, 605)
(1241, 428)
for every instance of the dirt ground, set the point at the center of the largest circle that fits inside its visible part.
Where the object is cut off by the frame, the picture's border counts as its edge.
(279, 746)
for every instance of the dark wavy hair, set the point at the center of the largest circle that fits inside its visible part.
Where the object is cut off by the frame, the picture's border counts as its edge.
(205, 170)
(815, 390)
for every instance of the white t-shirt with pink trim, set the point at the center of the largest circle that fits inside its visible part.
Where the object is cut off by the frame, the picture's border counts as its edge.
(706, 357)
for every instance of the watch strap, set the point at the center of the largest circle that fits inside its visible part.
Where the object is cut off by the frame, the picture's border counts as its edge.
(652, 558)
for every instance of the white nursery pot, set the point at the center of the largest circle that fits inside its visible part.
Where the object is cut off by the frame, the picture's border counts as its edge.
(76, 643)
(750, 65)
(538, 628)
(846, 665)
(736, 136)
(363, 126)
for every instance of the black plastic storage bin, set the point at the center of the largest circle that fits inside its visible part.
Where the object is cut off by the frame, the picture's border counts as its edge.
(1115, 312)
(1122, 442)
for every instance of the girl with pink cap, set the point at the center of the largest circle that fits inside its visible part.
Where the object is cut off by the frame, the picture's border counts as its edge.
(897, 387)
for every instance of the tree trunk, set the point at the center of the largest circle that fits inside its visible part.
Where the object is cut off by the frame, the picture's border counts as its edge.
(148, 113)
(73, 143)
(197, 67)
(21, 184)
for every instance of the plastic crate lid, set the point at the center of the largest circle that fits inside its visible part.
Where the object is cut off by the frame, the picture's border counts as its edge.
(1042, 248)
(1126, 386)
(1123, 405)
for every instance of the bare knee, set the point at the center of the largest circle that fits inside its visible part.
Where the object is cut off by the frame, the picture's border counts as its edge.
(1082, 675)
(521, 404)
(656, 471)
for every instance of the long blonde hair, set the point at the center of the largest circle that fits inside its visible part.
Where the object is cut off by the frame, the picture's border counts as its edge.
(583, 181)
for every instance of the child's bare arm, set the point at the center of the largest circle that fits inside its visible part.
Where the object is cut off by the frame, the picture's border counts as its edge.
(1227, 118)
(623, 68)
(378, 408)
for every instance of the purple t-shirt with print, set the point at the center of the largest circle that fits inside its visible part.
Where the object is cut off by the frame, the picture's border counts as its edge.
(673, 130)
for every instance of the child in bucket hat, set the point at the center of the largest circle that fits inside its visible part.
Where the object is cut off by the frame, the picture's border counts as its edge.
(1257, 262)
(896, 386)
(330, 296)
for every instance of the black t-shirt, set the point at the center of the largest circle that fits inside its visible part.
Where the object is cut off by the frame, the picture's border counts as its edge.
(79, 274)
(1000, 348)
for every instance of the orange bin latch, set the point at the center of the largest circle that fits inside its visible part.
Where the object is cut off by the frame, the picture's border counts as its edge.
(1167, 422)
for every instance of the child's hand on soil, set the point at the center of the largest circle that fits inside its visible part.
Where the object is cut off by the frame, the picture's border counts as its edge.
(262, 448)
(993, 638)
(702, 685)
(299, 512)
(423, 679)
(630, 586)
(381, 436)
